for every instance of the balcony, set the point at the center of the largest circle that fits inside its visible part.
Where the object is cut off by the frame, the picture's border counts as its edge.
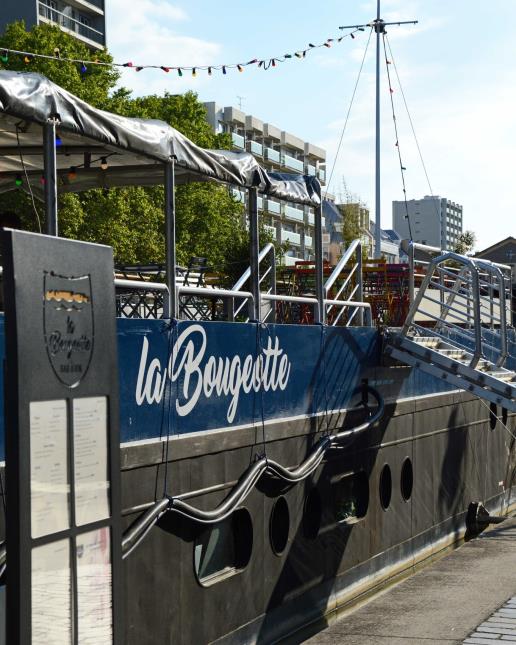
(62, 15)
(272, 155)
(271, 230)
(294, 213)
(255, 148)
(290, 236)
(311, 220)
(308, 241)
(239, 195)
(273, 207)
(238, 140)
(292, 163)
(311, 170)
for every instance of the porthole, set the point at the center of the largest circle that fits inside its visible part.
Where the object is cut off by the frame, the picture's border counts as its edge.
(407, 479)
(385, 487)
(224, 549)
(493, 416)
(312, 514)
(350, 497)
(279, 525)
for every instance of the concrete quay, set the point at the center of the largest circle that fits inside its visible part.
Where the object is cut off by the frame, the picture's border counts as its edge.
(468, 596)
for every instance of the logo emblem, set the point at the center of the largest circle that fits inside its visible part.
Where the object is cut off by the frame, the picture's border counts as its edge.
(68, 326)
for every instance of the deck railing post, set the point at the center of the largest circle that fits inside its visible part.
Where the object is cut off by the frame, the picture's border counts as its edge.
(360, 291)
(411, 273)
(170, 240)
(272, 253)
(319, 271)
(254, 249)
(50, 176)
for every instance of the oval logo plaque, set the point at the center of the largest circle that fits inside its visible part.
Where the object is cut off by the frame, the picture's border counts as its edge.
(68, 325)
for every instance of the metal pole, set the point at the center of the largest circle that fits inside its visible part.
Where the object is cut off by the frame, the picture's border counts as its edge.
(377, 232)
(254, 245)
(272, 253)
(360, 292)
(411, 272)
(319, 273)
(50, 176)
(171, 309)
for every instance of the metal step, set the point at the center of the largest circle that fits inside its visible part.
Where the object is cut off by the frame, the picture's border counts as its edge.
(459, 381)
(442, 359)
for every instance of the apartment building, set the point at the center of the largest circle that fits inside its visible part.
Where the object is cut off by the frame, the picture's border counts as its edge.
(280, 151)
(435, 221)
(84, 19)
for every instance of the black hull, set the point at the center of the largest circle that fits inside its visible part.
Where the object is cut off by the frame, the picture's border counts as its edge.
(459, 455)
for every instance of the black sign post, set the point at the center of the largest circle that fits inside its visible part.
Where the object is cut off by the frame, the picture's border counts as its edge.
(62, 443)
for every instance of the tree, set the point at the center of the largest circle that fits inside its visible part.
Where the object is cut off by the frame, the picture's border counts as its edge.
(93, 86)
(131, 220)
(465, 243)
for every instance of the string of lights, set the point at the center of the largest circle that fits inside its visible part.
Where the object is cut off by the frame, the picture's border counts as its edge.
(193, 70)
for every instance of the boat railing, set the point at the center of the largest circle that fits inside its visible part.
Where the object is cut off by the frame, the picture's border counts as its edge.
(267, 279)
(145, 299)
(466, 299)
(345, 285)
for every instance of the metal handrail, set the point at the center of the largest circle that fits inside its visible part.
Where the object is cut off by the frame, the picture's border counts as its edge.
(268, 251)
(469, 289)
(353, 250)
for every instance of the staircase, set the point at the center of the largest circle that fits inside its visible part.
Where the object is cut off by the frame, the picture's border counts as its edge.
(456, 328)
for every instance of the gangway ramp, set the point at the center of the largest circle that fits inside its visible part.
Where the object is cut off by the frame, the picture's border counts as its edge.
(467, 300)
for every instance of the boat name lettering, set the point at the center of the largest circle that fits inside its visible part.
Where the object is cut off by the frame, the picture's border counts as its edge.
(211, 376)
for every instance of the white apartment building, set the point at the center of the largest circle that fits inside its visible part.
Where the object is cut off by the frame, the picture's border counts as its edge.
(280, 151)
(83, 19)
(435, 221)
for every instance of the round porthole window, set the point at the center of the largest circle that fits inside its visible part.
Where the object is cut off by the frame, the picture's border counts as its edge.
(312, 514)
(279, 525)
(385, 487)
(407, 479)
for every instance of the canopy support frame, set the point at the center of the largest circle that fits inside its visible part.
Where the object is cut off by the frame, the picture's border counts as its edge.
(50, 176)
(170, 304)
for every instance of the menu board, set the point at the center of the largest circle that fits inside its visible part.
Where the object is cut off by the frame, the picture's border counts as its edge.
(90, 459)
(49, 482)
(94, 592)
(51, 594)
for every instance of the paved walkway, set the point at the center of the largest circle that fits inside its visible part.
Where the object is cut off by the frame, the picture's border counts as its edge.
(443, 603)
(500, 627)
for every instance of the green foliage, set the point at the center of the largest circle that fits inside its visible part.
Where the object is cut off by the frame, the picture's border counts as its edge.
(93, 86)
(131, 220)
(465, 242)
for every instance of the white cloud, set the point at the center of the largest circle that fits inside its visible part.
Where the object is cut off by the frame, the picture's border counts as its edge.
(148, 36)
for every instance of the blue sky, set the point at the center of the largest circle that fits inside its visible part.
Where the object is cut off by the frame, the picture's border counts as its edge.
(457, 67)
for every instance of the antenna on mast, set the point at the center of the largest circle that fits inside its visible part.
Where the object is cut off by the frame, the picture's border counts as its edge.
(379, 26)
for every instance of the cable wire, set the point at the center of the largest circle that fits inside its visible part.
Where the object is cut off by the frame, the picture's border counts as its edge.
(410, 121)
(27, 178)
(348, 113)
(402, 167)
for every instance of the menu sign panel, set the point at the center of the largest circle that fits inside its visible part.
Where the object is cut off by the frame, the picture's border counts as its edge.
(49, 485)
(62, 443)
(90, 459)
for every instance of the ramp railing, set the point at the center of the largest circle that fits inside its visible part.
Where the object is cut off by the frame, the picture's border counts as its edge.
(345, 285)
(267, 280)
(463, 300)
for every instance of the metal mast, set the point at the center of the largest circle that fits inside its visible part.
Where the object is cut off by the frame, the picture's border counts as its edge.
(379, 26)
(380, 29)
